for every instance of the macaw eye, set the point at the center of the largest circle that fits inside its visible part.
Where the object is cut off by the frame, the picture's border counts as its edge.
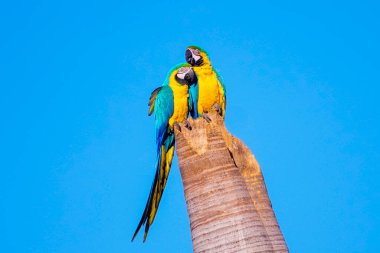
(196, 52)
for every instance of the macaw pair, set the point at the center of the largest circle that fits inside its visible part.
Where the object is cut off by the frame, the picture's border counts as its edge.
(193, 88)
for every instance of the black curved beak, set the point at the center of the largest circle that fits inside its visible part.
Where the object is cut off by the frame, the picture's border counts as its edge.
(190, 77)
(190, 58)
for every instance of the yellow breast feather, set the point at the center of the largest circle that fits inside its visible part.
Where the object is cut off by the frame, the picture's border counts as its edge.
(180, 94)
(209, 89)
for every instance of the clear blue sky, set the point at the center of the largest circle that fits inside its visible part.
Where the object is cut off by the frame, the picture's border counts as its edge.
(77, 146)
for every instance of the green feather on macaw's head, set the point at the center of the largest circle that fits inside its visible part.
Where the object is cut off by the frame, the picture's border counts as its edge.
(199, 48)
(197, 56)
(184, 74)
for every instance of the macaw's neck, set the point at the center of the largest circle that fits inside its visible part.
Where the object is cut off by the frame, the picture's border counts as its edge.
(205, 68)
(206, 64)
(206, 61)
(178, 89)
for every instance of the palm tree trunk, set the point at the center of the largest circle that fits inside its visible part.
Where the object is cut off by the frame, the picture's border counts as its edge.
(225, 193)
(253, 177)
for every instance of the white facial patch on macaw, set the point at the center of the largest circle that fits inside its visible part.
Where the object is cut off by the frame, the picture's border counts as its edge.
(185, 75)
(196, 54)
(182, 72)
(181, 76)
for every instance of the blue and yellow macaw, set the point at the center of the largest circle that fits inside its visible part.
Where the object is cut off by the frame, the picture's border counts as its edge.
(209, 91)
(169, 104)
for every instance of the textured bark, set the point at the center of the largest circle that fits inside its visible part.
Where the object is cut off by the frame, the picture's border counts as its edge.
(225, 193)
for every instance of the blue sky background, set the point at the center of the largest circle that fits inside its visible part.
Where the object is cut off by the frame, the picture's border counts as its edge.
(77, 146)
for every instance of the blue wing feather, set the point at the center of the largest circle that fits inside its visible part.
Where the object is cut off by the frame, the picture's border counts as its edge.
(163, 110)
(193, 100)
(161, 103)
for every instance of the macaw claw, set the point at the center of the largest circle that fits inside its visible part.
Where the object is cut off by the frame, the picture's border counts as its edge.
(187, 124)
(176, 124)
(218, 109)
(206, 117)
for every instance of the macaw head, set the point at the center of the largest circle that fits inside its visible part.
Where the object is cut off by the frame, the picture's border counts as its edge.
(196, 56)
(183, 74)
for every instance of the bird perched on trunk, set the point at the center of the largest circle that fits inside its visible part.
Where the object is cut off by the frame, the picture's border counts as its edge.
(169, 104)
(209, 91)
